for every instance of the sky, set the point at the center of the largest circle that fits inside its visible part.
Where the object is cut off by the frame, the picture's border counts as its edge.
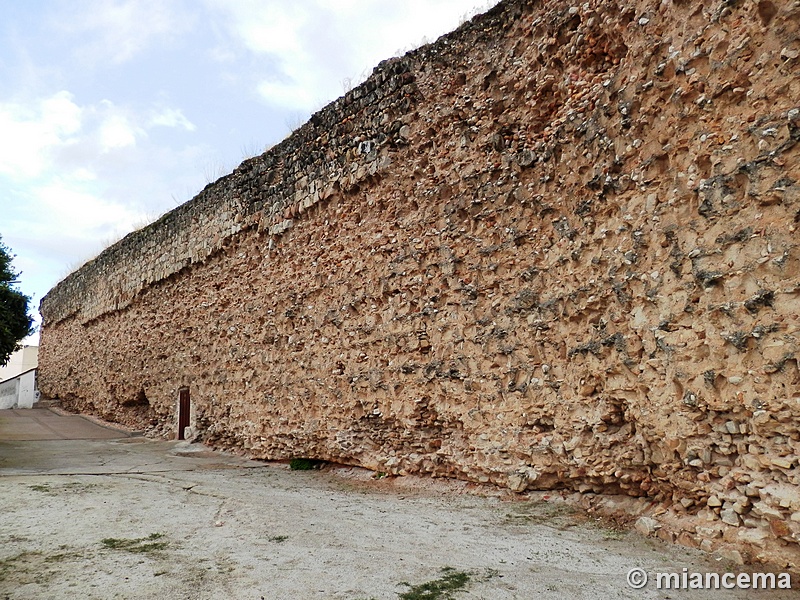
(113, 112)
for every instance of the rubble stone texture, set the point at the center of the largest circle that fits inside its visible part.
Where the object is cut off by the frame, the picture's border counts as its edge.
(556, 249)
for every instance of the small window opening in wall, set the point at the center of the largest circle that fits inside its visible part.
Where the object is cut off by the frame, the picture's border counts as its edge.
(183, 412)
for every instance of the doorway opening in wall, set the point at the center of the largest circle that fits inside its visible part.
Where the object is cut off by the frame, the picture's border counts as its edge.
(183, 412)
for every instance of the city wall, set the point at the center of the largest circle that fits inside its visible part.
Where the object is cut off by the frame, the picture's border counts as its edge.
(556, 249)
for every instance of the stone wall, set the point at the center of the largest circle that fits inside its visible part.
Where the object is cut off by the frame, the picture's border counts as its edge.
(554, 250)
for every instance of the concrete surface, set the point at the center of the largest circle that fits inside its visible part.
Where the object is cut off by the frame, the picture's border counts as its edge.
(118, 516)
(29, 424)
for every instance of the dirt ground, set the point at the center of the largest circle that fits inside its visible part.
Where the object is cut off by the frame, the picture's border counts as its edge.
(136, 518)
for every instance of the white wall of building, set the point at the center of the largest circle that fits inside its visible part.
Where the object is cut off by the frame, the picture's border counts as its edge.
(8, 393)
(20, 391)
(27, 395)
(21, 361)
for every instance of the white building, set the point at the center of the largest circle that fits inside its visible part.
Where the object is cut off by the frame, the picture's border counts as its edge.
(19, 362)
(18, 387)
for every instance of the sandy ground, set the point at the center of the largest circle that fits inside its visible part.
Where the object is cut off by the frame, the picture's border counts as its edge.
(135, 518)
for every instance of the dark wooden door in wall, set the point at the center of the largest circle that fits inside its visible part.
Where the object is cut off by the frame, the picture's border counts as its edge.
(183, 412)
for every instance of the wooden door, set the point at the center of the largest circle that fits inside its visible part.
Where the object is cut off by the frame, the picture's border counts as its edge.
(183, 411)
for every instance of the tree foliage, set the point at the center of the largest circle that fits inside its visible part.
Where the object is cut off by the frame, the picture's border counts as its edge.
(15, 323)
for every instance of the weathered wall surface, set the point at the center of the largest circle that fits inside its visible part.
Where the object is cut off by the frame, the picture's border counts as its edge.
(556, 249)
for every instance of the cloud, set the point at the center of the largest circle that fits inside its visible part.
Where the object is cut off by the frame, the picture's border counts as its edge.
(68, 218)
(117, 132)
(70, 211)
(65, 198)
(56, 135)
(318, 46)
(75, 178)
(29, 133)
(58, 225)
(287, 94)
(172, 117)
(115, 31)
(271, 26)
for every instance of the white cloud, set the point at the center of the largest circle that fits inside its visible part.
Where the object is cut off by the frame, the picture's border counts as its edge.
(271, 26)
(56, 135)
(76, 178)
(91, 216)
(117, 30)
(82, 174)
(320, 45)
(58, 225)
(117, 132)
(288, 94)
(172, 117)
(29, 133)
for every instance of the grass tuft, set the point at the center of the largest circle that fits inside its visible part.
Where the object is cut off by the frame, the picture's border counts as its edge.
(278, 538)
(438, 589)
(139, 546)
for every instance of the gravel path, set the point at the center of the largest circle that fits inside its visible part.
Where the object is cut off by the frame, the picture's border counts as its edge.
(135, 518)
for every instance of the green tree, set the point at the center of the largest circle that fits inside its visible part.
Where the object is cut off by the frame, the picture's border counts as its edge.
(15, 323)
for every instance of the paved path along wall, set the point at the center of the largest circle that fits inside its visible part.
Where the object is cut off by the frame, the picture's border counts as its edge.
(555, 249)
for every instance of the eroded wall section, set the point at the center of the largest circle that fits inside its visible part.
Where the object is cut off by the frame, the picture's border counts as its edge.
(555, 249)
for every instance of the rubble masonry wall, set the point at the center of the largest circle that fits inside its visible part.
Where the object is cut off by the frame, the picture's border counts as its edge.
(555, 249)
